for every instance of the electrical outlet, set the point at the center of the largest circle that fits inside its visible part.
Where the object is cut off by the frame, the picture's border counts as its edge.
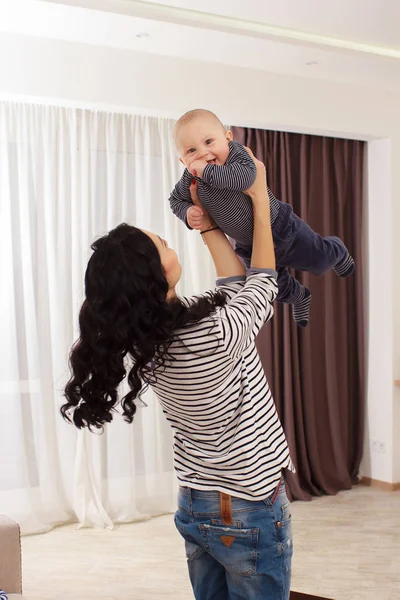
(378, 446)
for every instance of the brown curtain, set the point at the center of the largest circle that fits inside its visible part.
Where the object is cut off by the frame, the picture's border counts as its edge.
(317, 374)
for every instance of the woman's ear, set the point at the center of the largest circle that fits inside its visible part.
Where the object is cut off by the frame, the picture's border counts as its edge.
(229, 135)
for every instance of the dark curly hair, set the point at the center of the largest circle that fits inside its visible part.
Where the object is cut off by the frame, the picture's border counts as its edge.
(125, 316)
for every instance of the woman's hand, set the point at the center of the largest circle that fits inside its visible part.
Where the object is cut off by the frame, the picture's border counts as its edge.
(206, 221)
(263, 254)
(194, 218)
(259, 188)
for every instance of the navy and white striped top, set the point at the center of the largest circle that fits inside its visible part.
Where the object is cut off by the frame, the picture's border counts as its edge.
(227, 434)
(221, 193)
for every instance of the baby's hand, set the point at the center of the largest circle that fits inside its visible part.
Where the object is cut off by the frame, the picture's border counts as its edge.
(197, 167)
(194, 217)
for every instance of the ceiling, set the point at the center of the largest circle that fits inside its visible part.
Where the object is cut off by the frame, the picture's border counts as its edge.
(369, 21)
(354, 41)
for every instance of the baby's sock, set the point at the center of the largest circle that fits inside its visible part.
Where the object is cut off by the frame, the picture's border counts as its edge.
(301, 308)
(345, 267)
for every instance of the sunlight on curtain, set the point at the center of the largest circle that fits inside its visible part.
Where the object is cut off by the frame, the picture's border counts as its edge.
(66, 177)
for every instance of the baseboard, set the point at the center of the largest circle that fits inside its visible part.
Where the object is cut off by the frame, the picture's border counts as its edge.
(299, 596)
(382, 485)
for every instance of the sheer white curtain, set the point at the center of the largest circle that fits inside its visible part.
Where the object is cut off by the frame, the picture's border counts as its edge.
(66, 177)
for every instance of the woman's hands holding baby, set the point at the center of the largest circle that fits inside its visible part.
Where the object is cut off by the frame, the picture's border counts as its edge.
(196, 216)
(259, 187)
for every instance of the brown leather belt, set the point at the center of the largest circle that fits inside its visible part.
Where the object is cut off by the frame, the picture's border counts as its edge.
(226, 504)
(226, 508)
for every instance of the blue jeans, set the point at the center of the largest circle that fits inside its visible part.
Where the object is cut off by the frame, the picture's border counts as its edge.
(248, 560)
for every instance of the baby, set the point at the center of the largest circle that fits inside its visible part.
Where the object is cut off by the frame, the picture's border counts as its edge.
(223, 169)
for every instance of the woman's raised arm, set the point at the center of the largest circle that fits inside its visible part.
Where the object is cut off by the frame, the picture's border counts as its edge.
(226, 261)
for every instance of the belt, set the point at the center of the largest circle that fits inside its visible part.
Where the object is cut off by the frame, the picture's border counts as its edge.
(225, 501)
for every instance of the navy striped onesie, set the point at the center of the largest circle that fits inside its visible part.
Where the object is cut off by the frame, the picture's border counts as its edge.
(221, 193)
(297, 246)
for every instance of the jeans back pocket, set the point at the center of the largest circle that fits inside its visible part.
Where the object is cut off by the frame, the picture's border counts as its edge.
(235, 549)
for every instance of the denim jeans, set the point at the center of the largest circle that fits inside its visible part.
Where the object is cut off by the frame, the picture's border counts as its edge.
(248, 560)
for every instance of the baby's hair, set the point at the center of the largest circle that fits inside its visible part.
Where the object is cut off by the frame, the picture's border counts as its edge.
(196, 113)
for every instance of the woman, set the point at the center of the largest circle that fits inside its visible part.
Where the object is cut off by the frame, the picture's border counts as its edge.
(199, 357)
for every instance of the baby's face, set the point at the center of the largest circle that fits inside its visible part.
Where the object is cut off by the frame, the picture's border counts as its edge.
(203, 139)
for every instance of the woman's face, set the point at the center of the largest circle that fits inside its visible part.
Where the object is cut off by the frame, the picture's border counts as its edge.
(169, 259)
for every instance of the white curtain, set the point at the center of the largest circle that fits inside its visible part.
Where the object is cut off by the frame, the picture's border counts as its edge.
(66, 177)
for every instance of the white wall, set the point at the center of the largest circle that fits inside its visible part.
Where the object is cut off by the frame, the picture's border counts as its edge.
(125, 80)
(379, 311)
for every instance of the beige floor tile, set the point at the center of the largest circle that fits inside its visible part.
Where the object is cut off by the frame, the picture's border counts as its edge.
(347, 547)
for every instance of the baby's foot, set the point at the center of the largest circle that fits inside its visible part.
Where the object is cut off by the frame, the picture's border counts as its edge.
(345, 267)
(301, 308)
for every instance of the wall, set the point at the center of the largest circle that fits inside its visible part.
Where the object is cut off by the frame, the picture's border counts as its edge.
(379, 417)
(124, 80)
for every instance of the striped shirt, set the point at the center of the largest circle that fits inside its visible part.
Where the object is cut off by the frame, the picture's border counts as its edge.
(227, 434)
(221, 193)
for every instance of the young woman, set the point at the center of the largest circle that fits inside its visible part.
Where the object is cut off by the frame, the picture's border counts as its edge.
(200, 358)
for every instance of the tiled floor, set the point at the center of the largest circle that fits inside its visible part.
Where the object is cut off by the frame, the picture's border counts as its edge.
(347, 547)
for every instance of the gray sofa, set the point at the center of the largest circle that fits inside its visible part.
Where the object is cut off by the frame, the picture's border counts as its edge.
(10, 559)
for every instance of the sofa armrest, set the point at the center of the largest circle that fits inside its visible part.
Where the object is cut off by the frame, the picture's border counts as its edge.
(10, 556)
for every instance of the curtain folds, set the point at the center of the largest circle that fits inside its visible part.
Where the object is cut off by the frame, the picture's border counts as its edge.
(66, 177)
(317, 375)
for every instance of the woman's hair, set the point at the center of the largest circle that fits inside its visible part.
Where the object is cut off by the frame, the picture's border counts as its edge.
(125, 315)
